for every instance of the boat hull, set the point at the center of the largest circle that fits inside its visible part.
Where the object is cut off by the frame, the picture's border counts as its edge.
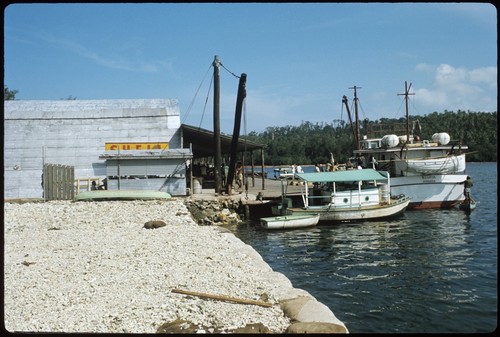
(431, 191)
(346, 214)
(432, 174)
(290, 221)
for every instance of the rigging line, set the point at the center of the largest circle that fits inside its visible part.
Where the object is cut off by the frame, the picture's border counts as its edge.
(245, 179)
(195, 95)
(362, 110)
(400, 108)
(414, 106)
(206, 101)
(229, 70)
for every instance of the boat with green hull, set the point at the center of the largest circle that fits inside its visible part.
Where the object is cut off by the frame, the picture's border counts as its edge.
(103, 195)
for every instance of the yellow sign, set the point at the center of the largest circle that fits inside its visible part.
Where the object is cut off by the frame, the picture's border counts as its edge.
(136, 146)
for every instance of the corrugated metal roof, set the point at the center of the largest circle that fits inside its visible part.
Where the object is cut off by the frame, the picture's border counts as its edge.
(203, 142)
(90, 109)
(342, 176)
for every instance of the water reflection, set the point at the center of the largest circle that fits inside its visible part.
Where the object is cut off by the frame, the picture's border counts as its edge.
(401, 268)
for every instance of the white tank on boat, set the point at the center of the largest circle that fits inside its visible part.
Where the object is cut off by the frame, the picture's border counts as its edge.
(390, 140)
(402, 139)
(442, 138)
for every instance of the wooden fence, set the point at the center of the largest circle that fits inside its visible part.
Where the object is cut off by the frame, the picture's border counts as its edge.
(58, 182)
(85, 184)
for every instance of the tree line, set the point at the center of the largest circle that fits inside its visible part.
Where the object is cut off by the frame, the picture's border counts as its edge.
(311, 143)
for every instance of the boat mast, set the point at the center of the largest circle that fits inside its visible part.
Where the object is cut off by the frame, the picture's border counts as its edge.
(354, 133)
(406, 94)
(217, 141)
(357, 137)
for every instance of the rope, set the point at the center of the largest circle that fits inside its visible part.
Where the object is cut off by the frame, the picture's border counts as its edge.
(206, 101)
(228, 70)
(245, 142)
(362, 110)
(195, 95)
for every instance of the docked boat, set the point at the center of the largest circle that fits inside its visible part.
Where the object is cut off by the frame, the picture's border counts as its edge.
(104, 195)
(431, 172)
(290, 221)
(283, 173)
(350, 195)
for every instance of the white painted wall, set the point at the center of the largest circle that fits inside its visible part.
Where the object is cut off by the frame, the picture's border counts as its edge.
(73, 132)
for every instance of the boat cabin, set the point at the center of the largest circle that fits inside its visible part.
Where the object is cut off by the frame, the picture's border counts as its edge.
(348, 188)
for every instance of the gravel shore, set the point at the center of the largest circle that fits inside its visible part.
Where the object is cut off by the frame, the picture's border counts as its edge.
(93, 267)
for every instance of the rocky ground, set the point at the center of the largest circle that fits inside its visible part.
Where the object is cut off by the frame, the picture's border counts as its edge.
(116, 266)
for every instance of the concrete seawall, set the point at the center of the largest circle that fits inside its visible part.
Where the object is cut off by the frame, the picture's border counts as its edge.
(100, 269)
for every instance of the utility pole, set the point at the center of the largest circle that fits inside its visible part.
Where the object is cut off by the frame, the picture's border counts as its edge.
(217, 142)
(406, 94)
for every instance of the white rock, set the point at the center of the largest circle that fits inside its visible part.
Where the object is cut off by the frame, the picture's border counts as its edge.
(92, 267)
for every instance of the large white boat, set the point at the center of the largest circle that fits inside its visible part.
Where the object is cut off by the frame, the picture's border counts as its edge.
(431, 172)
(350, 195)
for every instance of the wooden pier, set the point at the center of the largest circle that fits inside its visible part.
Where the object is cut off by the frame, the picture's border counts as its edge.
(257, 201)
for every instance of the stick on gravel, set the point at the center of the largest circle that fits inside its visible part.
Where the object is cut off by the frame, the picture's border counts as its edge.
(222, 297)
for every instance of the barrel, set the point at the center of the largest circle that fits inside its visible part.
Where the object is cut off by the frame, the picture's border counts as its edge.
(196, 186)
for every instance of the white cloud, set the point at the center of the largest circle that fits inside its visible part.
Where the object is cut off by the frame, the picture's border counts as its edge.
(456, 88)
(424, 67)
(114, 62)
(486, 75)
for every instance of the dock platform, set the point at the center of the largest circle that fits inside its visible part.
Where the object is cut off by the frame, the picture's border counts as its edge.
(272, 190)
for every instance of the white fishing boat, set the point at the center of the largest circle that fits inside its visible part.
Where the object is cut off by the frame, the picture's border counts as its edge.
(431, 172)
(290, 221)
(349, 195)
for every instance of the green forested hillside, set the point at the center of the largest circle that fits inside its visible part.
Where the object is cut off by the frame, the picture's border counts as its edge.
(310, 143)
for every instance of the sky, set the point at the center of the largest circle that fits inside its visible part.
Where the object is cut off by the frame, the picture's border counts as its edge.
(299, 58)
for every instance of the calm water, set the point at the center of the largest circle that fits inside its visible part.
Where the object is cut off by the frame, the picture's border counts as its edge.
(429, 271)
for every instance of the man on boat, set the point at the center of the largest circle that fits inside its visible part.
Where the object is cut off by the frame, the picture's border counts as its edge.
(467, 188)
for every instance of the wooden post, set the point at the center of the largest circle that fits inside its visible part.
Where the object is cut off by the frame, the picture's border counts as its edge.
(217, 141)
(253, 168)
(262, 167)
(236, 131)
